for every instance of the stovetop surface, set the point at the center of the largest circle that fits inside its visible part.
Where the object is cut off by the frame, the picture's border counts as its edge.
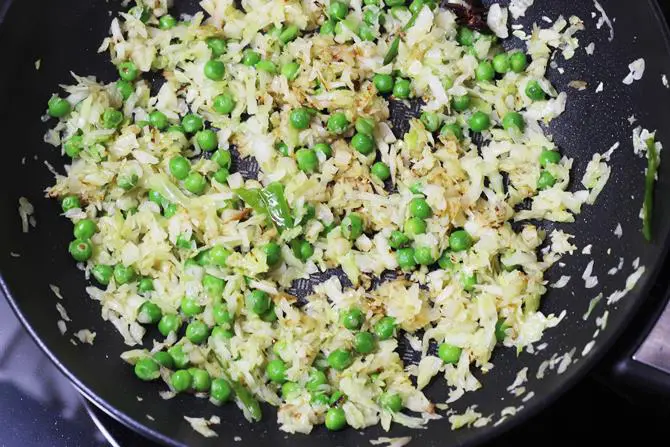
(39, 406)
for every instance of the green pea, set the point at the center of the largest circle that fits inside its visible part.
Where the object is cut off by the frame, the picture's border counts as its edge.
(513, 120)
(383, 83)
(468, 281)
(218, 255)
(219, 331)
(155, 197)
(266, 66)
(449, 353)
(323, 148)
(340, 359)
(418, 207)
(461, 103)
(169, 323)
(385, 328)
(276, 371)
(149, 313)
(164, 359)
(414, 226)
(546, 180)
(201, 381)
(167, 22)
(289, 33)
(335, 419)
(102, 273)
(423, 256)
(269, 315)
(179, 167)
(224, 103)
(398, 239)
(338, 122)
(207, 140)
(466, 36)
(125, 88)
(222, 158)
(548, 157)
(145, 285)
(307, 160)
(453, 130)
(123, 274)
(69, 203)
(73, 146)
(221, 390)
(364, 342)
(190, 307)
(431, 121)
(381, 170)
(302, 249)
(80, 250)
(479, 122)
(352, 226)
(272, 252)
(366, 33)
(485, 72)
(320, 399)
(290, 71)
(217, 45)
(534, 91)
(391, 401)
(398, 12)
(179, 357)
(365, 126)
(327, 28)
(214, 70)
(501, 63)
(222, 316)
(460, 240)
(416, 6)
(338, 10)
(316, 380)
(289, 390)
(195, 183)
(147, 369)
(181, 381)
(445, 262)
(518, 61)
(501, 330)
(299, 119)
(363, 143)
(353, 319)
(128, 71)
(213, 286)
(197, 331)
(405, 258)
(111, 118)
(192, 123)
(176, 129)
(258, 301)
(401, 88)
(158, 120)
(85, 229)
(250, 58)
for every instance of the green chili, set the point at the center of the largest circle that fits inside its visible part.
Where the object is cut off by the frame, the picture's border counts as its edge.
(649, 181)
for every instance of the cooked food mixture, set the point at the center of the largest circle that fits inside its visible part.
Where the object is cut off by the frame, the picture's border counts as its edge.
(183, 249)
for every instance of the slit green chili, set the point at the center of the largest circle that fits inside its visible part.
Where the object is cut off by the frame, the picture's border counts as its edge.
(650, 179)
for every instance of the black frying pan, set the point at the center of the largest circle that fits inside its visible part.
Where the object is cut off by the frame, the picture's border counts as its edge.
(64, 34)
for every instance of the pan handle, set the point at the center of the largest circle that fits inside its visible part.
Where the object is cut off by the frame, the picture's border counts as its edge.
(640, 367)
